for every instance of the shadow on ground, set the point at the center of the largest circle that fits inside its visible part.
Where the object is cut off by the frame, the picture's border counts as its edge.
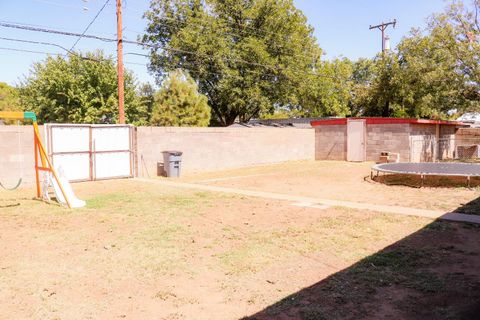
(431, 274)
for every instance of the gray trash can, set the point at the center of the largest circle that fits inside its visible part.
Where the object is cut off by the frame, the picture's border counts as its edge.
(172, 162)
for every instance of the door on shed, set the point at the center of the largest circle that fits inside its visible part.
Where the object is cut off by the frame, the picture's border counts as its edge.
(356, 133)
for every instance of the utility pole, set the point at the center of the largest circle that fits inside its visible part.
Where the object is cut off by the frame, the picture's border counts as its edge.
(382, 28)
(121, 108)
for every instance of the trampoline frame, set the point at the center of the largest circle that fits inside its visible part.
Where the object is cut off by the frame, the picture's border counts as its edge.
(376, 168)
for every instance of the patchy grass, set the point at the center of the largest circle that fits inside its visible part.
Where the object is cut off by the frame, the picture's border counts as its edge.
(411, 279)
(346, 181)
(146, 251)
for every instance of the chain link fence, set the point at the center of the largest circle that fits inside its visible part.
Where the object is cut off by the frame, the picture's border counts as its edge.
(429, 149)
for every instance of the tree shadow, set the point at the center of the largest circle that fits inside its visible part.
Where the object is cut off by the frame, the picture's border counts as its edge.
(431, 274)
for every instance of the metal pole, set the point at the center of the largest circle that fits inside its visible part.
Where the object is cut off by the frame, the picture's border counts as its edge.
(121, 108)
(382, 27)
(383, 38)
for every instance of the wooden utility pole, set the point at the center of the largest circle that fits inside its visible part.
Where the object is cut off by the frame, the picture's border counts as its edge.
(382, 28)
(121, 107)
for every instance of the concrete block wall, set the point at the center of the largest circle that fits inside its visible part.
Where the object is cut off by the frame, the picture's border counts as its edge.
(209, 149)
(468, 136)
(17, 160)
(331, 142)
(389, 138)
(465, 138)
(424, 144)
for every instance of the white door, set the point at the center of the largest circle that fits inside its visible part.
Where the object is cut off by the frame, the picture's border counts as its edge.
(356, 140)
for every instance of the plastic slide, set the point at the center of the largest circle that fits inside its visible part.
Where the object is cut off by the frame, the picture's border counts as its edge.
(74, 201)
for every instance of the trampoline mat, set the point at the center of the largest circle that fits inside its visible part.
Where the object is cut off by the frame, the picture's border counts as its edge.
(431, 168)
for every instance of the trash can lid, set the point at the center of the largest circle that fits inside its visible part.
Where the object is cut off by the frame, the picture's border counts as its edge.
(174, 153)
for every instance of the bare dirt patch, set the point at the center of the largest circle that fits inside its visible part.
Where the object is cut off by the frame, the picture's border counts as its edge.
(340, 181)
(141, 251)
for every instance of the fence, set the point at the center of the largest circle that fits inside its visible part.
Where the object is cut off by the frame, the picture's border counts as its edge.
(209, 149)
(429, 149)
(91, 152)
(99, 152)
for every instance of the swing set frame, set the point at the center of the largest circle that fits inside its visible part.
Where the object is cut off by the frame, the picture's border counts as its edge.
(42, 162)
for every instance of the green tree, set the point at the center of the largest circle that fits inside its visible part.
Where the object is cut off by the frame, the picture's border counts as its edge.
(438, 68)
(248, 56)
(179, 104)
(327, 91)
(79, 89)
(372, 88)
(363, 74)
(431, 72)
(9, 99)
(146, 95)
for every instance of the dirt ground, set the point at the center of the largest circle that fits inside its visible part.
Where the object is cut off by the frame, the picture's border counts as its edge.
(144, 251)
(340, 181)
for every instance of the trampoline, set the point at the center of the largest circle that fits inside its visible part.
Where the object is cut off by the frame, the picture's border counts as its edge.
(452, 169)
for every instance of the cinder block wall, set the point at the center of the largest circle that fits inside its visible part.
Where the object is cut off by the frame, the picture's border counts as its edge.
(208, 149)
(17, 161)
(424, 146)
(331, 142)
(466, 136)
(388, 138)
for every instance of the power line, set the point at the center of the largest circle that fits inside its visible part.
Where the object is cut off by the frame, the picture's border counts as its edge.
(36, 29)
(201, 22)
(45, 30)
(44, 26)
(89, 25)
(58, 4)
(189, 68)
(36, 42)
(214, 28)
(50, 44)
(31, 51)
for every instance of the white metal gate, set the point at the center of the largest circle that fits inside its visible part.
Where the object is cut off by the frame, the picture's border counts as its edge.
(91, 152)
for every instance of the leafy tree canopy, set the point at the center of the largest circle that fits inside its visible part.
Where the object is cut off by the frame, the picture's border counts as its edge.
(9, 99)
(178, 103)
(431, 72)
(247, 56)
(79, 89)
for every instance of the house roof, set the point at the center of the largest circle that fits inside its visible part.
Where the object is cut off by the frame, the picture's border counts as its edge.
(471, 117)
(343, 121)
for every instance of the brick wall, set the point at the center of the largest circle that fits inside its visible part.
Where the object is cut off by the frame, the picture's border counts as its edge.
(208, 149)
(331, 142)
(17, 161)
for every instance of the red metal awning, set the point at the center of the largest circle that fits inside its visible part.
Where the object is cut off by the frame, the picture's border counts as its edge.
(378, 120)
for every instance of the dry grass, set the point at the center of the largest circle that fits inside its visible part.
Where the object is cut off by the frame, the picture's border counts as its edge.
(341, 181)
(141, 251)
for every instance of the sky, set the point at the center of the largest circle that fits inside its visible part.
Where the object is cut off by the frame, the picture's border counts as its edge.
(341, 28)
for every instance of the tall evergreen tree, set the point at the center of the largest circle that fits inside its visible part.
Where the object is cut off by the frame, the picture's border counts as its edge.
(179, 104)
